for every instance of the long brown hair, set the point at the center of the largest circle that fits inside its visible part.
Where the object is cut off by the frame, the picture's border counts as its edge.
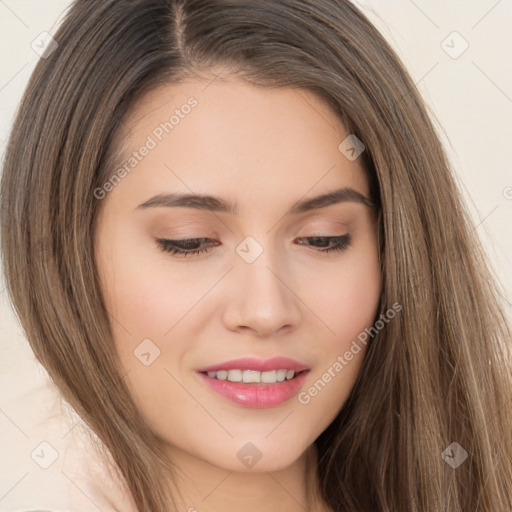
(438, 374)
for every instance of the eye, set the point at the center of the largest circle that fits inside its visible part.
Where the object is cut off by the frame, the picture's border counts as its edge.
(193, 246)
(339, 243)
(184, 247)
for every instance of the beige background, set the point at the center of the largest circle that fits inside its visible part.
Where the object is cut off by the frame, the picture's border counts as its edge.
(470, 95)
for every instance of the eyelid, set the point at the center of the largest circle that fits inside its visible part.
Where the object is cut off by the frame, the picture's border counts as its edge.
(178, 247)
(323, 225)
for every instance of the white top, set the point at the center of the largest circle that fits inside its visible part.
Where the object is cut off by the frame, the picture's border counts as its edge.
(50, 459)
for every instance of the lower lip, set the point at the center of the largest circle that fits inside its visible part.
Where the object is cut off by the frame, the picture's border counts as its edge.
(256, 395)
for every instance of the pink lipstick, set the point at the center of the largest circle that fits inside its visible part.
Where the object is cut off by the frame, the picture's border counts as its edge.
(256, 383)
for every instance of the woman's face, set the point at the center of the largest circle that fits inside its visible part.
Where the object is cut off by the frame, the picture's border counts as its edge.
(264, 300)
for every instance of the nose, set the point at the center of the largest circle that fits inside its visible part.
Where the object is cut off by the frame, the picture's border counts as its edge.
(262, 300)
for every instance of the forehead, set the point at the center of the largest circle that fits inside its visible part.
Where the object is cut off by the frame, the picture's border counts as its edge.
(215, 92)
(229, 137)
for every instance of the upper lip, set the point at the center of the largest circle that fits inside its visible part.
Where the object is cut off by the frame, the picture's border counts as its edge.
(260, 365)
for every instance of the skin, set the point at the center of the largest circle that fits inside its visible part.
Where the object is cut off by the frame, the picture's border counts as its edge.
(264, 149)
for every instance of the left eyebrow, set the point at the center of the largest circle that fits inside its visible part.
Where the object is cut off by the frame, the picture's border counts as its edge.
(217, 204)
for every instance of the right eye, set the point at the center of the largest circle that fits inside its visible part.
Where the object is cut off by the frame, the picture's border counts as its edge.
(185, 247)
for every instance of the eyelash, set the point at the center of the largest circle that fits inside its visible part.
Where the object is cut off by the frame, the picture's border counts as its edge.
(179, 247)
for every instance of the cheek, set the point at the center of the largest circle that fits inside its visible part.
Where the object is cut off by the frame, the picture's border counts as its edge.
(346, 300)
(146, 296)
(346, 296)
(151, 335)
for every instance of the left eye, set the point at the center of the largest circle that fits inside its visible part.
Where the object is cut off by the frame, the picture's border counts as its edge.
(340, 243)
(192, 246)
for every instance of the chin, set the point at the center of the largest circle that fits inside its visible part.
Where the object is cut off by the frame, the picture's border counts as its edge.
(257, 455)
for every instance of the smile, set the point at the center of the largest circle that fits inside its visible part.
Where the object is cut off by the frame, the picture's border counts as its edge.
(252, 376)
(256, 383)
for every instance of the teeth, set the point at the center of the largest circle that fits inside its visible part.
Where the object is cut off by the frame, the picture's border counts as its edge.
(252, 376)
(281, 375)
(235, 375)
(269, 377)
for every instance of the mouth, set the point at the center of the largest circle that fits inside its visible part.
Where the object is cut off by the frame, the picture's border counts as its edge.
(256, 383)
(253, 376)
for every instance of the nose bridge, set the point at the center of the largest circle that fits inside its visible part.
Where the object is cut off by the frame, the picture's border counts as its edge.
(263, 301)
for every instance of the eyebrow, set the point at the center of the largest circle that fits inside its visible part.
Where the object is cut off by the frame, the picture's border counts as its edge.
(216, 204)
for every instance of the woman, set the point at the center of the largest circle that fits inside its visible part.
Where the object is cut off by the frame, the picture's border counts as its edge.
(247, 266)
